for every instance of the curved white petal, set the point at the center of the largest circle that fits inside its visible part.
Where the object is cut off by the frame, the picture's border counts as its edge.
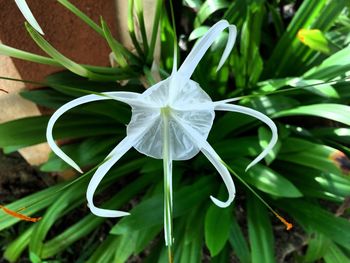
(236, 108)
(127, 97)
(129, 141)
(112, 158)
(188, 66)
(215, 159)
(23, 7)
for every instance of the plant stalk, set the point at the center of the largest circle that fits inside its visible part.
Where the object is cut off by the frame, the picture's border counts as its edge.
(168, 191)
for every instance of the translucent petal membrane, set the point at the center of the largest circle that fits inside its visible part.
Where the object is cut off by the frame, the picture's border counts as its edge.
(183, 99)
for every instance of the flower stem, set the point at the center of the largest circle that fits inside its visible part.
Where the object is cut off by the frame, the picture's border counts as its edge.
(168, 189)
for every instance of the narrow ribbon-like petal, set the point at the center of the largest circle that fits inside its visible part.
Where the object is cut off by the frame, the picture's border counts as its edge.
(215, 159)
(112, 158)
(24, 8)
(103, 169)
(188, 66)
(236, 108)
(127, 97)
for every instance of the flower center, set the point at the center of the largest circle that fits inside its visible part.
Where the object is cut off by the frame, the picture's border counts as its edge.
(175, 102)
(166, 111)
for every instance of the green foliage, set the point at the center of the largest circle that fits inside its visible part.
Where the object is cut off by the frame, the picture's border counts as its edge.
(301, 83)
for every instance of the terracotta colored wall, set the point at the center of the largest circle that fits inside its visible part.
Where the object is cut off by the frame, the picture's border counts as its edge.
(64, 31)
(69, 35)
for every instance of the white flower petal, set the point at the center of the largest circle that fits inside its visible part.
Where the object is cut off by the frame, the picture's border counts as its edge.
(127, 97)
(111, 159)
(23, 7)
(236, 108)
(188, 66)
(215, 159)
(190, 103)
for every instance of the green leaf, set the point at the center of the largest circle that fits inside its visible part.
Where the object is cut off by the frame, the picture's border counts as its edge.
(314, 39)
(66, 201)
(89, 152)
(34, 258)
(341, 135)
(105, 252)
(260, 232)
(335, 255)
(116, 47)
(217, 226)
(266, 179)
(198, 32)
(264, 138)
(315, 86)
(236, 12)
(332, 67)
(335, 112)
(17, 53)
(70, 126)
(90, 222)
(150, 212)
(33, 204)
(238, 242)
(50, 50)
(317, 247)
(189, 248)
(145, 237)
(131, 27)
(310, 154)
(271, 104)
(68, 63)
(81, 15)
(125, 247)
(207, 9)
(16, 247)
(291, 55)
(94, 26)
(46, 97)
(319, 87)
(314, 218)
(249, 45)
(315, 182)
(277, 19)
(155, 29)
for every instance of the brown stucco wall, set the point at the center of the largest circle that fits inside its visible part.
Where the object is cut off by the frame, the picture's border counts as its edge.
(63, 30)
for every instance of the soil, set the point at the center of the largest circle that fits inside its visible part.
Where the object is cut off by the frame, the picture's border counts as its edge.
(18, 178)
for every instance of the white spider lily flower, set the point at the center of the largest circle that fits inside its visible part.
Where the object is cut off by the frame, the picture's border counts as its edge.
(28, 15)
(171, 121)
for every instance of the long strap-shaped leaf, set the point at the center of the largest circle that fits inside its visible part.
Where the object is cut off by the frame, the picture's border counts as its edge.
(188, 66)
